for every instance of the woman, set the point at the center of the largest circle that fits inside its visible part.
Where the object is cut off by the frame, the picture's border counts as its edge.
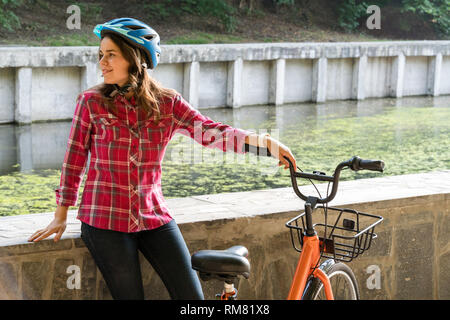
(126, 123)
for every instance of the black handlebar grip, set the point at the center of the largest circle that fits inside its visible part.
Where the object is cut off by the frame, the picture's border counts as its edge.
(374, 165)
(259, 151)
(360, 164)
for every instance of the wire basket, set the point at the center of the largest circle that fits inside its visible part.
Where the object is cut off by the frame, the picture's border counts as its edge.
(344, 234)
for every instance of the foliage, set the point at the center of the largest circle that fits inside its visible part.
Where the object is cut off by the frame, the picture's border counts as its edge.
(287, 2)
(8, 19)
(204, 38)
(436, 12)
(90, 11)
(349, 14)
(208, 8)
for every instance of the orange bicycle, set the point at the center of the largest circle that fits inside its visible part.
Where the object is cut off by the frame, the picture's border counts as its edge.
(349, 235)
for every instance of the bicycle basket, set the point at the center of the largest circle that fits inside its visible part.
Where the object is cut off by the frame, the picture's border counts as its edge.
(349, 234)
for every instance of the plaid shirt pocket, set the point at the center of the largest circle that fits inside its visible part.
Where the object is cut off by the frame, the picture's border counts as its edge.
(106, 130)
(156, 134)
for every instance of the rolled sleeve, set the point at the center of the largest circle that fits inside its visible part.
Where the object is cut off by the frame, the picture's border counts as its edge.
(76, 155)
(66, 197)
(190, 122)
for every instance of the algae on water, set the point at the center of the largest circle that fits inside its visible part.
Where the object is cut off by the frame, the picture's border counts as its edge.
(408, 139)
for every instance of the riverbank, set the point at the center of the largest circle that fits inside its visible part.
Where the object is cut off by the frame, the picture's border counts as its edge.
(43, 23)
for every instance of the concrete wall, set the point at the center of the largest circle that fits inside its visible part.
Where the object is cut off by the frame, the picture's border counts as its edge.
(41, 83)
(412, 251)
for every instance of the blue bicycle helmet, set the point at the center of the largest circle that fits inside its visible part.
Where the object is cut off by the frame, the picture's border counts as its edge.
(136, 33)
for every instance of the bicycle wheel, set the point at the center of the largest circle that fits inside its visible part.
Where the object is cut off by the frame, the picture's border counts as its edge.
(343, 283)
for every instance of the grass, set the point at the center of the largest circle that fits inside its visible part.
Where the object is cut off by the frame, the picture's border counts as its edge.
(195, 37)
(75, 39)
(204, 38)
(82, 39)
(71, 40)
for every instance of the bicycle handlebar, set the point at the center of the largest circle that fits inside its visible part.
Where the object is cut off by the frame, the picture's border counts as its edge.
(355, 163)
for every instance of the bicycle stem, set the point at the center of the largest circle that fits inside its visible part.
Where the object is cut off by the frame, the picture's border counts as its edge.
(321, 177)
(310, 204)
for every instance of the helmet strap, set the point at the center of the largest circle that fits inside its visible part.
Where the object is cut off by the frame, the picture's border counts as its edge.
(120, 90)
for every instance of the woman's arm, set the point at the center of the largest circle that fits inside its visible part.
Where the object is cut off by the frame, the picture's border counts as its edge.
(209, 133)
(212, 134)
(72, 171)
(76, 155)
(276, 148)
(58, 226)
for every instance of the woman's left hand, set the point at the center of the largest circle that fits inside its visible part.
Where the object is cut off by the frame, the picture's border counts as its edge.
(280, 151)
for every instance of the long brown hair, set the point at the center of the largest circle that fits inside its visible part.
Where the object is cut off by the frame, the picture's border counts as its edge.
(148, 92)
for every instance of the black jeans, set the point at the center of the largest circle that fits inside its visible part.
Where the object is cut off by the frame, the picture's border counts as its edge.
(116, 256)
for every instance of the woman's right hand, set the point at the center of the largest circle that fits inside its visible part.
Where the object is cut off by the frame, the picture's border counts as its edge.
(58, 226)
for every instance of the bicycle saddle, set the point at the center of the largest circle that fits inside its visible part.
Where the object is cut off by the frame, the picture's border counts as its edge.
(222, 264)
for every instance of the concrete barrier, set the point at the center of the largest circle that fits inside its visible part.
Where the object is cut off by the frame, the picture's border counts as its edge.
(42, 83)
(410, 259)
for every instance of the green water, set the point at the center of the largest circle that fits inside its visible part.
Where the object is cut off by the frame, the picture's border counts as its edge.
(411, 135)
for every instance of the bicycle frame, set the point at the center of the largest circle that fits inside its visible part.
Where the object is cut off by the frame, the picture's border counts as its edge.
(309, 259)
(308, 263)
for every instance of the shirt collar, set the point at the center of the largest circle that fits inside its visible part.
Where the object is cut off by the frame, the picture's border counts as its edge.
(122, 98)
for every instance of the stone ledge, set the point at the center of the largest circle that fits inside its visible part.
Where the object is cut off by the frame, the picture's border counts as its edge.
(15, 230)
(413, 206)
(79, 56)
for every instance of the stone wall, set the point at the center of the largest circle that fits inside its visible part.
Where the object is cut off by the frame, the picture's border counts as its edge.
(412, 250)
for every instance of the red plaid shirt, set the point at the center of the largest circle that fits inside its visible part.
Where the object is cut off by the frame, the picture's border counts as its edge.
(122, 191)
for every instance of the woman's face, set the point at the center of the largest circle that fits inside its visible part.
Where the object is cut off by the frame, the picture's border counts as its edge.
(114, 66)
